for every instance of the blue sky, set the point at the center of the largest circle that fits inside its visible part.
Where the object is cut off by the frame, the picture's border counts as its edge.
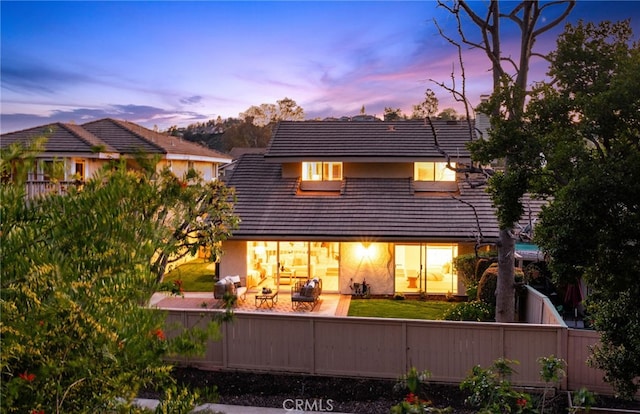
(169, 63)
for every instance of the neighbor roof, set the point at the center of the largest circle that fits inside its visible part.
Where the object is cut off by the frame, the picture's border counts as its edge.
(130, 138)
(114, 136)
(271, 208)
(352, 140)
(62, 138)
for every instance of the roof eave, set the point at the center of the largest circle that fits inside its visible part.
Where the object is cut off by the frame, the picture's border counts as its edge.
(365, 158)
(200, 158)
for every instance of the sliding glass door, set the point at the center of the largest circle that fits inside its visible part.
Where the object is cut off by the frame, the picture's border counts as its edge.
(426, 267)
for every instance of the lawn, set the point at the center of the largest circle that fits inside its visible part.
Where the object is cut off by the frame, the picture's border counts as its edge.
(196, 275)
(406, 309)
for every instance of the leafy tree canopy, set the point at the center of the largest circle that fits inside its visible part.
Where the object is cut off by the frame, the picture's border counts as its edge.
(587, 126)
(76, 274)
(284, 110)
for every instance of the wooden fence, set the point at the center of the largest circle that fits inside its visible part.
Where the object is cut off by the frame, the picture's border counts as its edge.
(387, 348)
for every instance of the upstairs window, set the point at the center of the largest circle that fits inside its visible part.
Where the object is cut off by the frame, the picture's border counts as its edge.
(321, 171)
(433, 171)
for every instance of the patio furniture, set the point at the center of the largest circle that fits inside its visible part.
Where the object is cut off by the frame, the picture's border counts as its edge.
(231, 285)
(267, 297)
(305, 294)
(359, 289)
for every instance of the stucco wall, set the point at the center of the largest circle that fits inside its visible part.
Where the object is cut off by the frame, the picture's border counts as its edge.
(375, 265)
(234, 260)
(360, 170)
(180, 168)
(378, 170)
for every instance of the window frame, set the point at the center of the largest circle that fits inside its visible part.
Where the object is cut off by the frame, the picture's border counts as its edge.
(439, 171)
(317, 171)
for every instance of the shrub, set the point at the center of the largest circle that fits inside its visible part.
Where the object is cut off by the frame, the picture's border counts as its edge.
(469, 270)
(466, 266)
(491, 389)
(482, 265)
(476, 310)
(415, 382)
(489, 282)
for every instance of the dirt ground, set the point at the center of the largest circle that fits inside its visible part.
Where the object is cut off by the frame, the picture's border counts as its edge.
(348, 395)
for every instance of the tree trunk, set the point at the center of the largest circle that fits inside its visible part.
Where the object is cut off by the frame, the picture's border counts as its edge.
(505, 288)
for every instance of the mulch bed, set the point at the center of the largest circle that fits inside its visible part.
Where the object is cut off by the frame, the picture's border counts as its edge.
(347, 395)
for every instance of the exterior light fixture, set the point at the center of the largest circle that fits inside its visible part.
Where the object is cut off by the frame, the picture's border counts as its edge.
(365, 250)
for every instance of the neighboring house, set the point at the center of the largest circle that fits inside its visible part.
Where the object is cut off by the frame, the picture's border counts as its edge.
(349, 201)
(75, 152)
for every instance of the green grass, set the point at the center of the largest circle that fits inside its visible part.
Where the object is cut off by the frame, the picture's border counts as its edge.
(195, 276)
(405, 309)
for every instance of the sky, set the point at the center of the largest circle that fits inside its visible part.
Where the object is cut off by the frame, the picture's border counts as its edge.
(164, 63)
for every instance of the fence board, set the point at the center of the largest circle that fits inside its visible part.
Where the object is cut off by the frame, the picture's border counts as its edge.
(387, 348)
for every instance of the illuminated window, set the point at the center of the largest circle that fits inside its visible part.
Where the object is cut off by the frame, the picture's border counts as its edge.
(321, 171)
(434, 171)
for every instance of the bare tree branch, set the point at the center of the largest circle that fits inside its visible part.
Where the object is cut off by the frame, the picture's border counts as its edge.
(480, 236)
(570, 5)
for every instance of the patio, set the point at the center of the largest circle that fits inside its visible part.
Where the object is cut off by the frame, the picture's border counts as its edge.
(328, 304)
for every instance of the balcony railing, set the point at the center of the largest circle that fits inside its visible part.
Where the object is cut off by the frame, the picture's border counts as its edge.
(37, 188)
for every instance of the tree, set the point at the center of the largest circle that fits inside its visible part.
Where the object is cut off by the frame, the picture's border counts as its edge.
(449, 114)
(245, 134)
(76, 274)
(507, 138)
(588, 127)
(286, 110)
(194, 214)
(391, 114)
(426, 108)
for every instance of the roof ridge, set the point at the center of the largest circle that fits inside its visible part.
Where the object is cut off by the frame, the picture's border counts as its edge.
(43, 127)
(97, 141)
(274, 131)
(125, 125)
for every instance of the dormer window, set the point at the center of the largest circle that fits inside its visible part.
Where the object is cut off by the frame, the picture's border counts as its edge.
(321, 171)
(433, 171)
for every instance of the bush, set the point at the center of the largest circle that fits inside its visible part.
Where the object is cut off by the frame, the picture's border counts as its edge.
(482, 265)
(467, 266)
(489, 282)
(491, 389)
(476, 310)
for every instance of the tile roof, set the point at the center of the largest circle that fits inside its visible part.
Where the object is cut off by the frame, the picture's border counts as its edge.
(114, 136)
(344, 140)
(271, 207)
(62, 138)
(129, 138)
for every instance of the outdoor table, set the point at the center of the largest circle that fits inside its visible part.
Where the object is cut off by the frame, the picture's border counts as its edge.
(268, 299)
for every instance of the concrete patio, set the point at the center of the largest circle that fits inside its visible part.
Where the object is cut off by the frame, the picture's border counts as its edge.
(329, 304)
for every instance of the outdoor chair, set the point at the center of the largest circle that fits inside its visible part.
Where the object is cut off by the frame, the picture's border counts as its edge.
(231, 285)
(305, 294)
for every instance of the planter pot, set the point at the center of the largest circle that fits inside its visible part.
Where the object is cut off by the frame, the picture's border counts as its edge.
(598, 410)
